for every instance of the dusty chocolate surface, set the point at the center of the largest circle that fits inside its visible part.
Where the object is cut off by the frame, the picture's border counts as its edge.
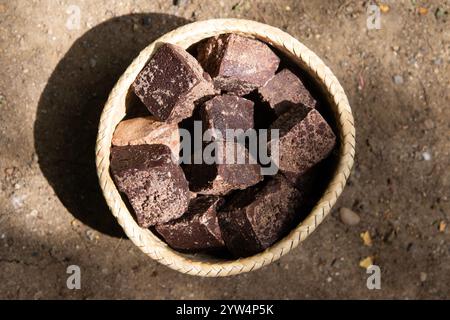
(256, 218)
(147, 130)
(170, 84)
(198, 229)
(226, 174)
(227, 112)
(305, 138)
(155, 187)
(286, 90)
(237, 64)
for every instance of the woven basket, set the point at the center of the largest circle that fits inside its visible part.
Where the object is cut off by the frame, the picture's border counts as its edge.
(115, 109)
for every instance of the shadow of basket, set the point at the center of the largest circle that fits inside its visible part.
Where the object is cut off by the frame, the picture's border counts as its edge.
(69, 109)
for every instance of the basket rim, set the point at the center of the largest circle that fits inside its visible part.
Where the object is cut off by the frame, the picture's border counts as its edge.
(114, 111)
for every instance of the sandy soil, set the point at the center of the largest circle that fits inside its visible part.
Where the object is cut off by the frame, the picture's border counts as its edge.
(54, 83)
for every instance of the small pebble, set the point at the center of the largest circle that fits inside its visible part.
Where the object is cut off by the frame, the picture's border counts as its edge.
(440, 13)
(426, 156)
(423, 276)
(34, 213)
(17, 201)
(90, 235)
(398, 79)
(438, 61)
(92, 62)
(429, 124)
(349, 217)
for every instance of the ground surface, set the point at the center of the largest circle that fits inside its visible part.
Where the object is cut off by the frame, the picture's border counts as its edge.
(55, 80)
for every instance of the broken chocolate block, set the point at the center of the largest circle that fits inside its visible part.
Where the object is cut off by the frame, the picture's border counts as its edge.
(286, 90)
(227, 112)
(154, 185)
(256, 218)
(171, 82)
(146, 130)
(305, 138)
(232, 170)
(237, 64)
(197, 230)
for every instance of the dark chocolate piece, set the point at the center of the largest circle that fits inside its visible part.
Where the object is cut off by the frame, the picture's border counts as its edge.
(257, 217)
(227, 112)
(221, 178)
(286, 90)
(305, 138)
(171, 82)
(155, 186)
(237, 64)
(197, 230)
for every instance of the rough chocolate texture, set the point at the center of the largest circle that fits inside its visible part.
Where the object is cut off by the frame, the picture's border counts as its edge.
(286, 90)
(170, 84)
(154, 185)
(146, 130)
(227, 112)
(256, 218)
(305, 139)
(197, 230)
(221, 178)
(237, 64)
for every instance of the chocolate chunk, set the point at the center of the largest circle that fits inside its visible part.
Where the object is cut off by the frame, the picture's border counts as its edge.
(284, 91)
(197, 230)
(305, 138)
(256, 218)
(146, 130)
(237, 64)
(227, 173)
(171, 82)
(155, 186)
(227, 112)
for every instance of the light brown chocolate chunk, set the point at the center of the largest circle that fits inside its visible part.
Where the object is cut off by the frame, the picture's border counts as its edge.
(154, 185)
(197, 230)
(170, 84)
(237, 64)
(305, 138)
(286, 90)
(146, 130)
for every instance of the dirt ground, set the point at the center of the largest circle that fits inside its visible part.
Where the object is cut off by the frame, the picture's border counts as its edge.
(56, 78)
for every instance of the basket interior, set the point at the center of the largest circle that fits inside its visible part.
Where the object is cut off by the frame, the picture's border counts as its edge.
(134, 108)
